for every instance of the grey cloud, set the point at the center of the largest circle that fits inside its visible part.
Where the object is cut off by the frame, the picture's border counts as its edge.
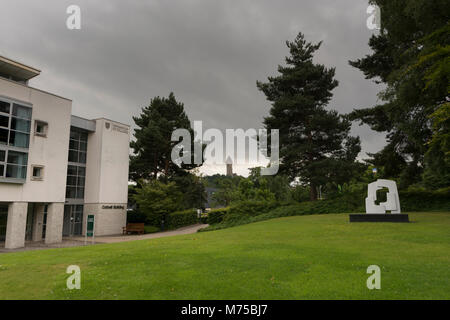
(209, 52)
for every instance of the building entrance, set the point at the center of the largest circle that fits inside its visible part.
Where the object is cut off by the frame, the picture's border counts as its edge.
(73, 220)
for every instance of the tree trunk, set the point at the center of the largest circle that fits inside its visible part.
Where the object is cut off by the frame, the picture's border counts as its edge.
(313, 192)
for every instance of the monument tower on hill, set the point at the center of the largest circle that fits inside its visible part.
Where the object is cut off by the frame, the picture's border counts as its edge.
(229, 163)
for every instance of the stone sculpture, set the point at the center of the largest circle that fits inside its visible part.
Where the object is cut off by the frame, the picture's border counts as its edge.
(392, 203)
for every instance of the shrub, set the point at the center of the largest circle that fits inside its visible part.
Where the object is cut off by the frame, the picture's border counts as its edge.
(180, 219)
(216, 216)
(248, 208)
(423, 200)
(157, 199)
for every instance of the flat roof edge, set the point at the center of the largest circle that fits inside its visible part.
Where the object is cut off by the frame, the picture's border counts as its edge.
(103, 118)
(82, 123)
(19, 64)
(32, 88)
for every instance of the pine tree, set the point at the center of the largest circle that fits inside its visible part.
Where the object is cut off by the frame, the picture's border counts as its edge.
(411, 56)
(152, 146)
(315, 145)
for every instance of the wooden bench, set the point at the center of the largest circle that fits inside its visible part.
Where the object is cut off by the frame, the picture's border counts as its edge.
(134, 227)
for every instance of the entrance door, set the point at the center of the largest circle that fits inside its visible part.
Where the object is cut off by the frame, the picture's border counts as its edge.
(73, 220)
(3, 221)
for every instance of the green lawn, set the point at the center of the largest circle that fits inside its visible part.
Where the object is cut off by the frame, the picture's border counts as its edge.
(305, 257)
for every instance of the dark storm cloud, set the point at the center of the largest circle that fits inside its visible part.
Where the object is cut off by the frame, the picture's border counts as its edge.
(209, 53)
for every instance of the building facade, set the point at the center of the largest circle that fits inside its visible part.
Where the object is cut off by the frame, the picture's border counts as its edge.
(56, 168)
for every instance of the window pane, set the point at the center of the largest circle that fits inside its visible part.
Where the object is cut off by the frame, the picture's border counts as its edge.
(71, 180)
(83, 146)
(4, 121)
(80, 181)
(2, 170)
(75, 135)
(80, 193)
(3, 136)
(4, 107)
(14, 171)
(17, 158)
(72, 170)
(83, 136)
(18, 139)
(20, 124)
(2, 156)
(81, 171)
(21, 111)
(73, 156)
(73, 144)
(82, 157)
(71, 192)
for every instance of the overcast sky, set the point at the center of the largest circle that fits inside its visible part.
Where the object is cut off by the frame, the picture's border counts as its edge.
(208, 52)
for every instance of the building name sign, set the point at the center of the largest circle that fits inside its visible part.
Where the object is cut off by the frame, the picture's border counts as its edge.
(113, 207)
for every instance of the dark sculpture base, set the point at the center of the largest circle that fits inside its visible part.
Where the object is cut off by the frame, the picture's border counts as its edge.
(372, 217)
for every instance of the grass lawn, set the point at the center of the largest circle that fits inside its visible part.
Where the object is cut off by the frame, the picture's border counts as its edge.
(304, 257)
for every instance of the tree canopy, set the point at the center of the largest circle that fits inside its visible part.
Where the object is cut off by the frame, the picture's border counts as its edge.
(315, 145)
(411, 57)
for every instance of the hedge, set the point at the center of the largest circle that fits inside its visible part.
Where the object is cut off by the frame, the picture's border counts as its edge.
(180, 219)
(411, 200)
(243, 208)
(424, 200)
(216, 215)
(174, 220)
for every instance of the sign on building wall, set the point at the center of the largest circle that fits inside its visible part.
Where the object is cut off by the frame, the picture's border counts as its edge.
(90, 227)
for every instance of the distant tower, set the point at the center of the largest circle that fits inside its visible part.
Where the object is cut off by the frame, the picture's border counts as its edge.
(229, 167)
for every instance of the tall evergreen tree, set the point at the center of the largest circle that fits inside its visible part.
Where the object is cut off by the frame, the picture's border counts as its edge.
(315, 145)
(152, 146)
(411, 57)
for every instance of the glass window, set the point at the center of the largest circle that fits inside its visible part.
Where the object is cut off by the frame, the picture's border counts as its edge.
(20, 125)
(77, 146)
(15, 171)
(82, 157)
(72, 170)
(4, 121)
(71, 192)
(73, 144)
(21, 111)
(80, 181)
(73, 156)
(80, 193)
(17, 158)
(83, 137)
(81, 171)
(19, 139)
(72, 181)
(3, 136)
(75, 182)
(4, 106)
(15, 126)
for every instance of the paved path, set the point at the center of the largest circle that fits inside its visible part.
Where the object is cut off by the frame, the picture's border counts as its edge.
(121, 238)
(79, 241)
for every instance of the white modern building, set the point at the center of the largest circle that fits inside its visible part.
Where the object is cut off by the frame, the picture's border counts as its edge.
(56, 168)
